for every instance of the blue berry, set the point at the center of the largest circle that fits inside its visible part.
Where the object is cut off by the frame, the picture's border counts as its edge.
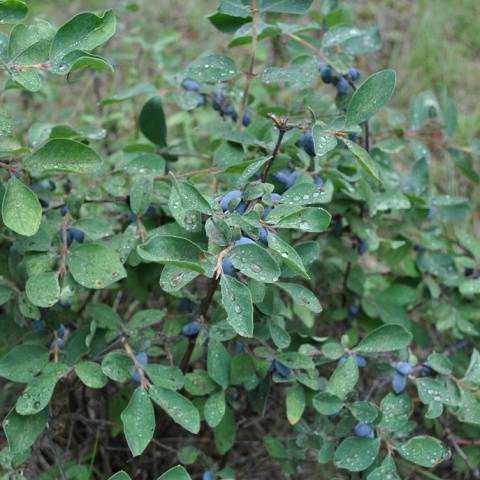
(241, 207)
(287, 177)
(44, 185)
(263, 235)
(185, 306)
(227, 266)
(432, 213)
(353, 310)
(282, 369)
(405, 368)
(59, 343)
(326, 74)
(218, 101)
(191, 329)
(275, 197)
(61, 331)
(342, 86)
(246, 120)
(44, 203)
(360, 361)
(341, 361)
(239, 346)
(78, 235)
(208, 475)
(38, 325)
(318, 180)
(353, 74)
(364, 430)
(191, 85)
(243, 241)
(69, 236)
(228, 198)
(306, 141)
(63, 209)
(229, 111)
(142, 358)
(362, 247)
(136, 376)
(399, 382)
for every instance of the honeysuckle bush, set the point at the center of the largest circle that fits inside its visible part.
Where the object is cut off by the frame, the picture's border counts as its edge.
(249, 255)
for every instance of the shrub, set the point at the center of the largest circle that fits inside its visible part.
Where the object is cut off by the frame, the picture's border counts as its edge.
(284, 279)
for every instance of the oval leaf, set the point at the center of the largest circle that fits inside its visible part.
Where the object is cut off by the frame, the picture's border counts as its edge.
(386, 338)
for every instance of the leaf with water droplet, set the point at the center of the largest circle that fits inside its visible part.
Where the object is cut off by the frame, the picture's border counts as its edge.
(343, 379)
(424, 450)
(43, 289)
(21, 209)
(356, 454)
(90, 373)
(237, 302)
(94, 265)
(225, 432)
(175, 473)
(173, 278)
(301, 295)
(323, 140)
(214, 408)
(255, 262)
(165, 376)
(386, 338)
(120, 476)
(303, 194)
(211, 69)
(309, 219)
(22, 430)
(178, 251)
(138, 420)
(364, 158)
(178, 407)
(472, 375)
(141, 194)
(23, 362)
(218, 363)
(118, 366)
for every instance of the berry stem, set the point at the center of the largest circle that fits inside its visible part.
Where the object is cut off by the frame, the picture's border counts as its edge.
(141, 372)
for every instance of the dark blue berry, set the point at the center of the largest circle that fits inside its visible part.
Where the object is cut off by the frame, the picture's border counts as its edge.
(241, 207)
(191, 85)
(246, 120)
(342, 86)
(131, 216)
(318, 180)
(243, 241)
(228, 198)
(191, 329)
(468, 271)
(61, 331)
(405, 368)
(63, 209)
(353, 74)
(353, 310)
(44, 203)
(229, 111)
(142, 358)
(282, 369)
(218, 101)
(227, 266)
(78, 235)
(306, 141)
(360, 361)
(326, 74)
(287, 177)
(208, 475)
(364, 430)
(275, 198)
(201, 99)
(399, 382)
(362, 247)
(44, 185)
(239, 346)
(185, 305)
(263, 235)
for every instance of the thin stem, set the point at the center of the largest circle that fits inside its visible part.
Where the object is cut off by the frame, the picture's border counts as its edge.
(367, 136)
(307, 44)
(281, 133)
(143, 379)
(250, 74)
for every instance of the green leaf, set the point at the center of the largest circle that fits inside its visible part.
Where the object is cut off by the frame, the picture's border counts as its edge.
(218, 363)
(326, 403)
(152, 121)
(396, 410)
(120, 476)
(175, 473)
(255, 262)
(472, 374)
(298, 7)
(165, 376)
(211, 69)
(301, 295)
(366, 161)
(22, 430)
(424, 450)
(141, 194)
(21, 210)
(90, 373)
(146, 164)
(138, 421)
(131, 92)
(118, 366)
(85, 31)
(356, 454)
(470, 287)
(43, 289)
(6, 294)
(94, 265)
(198, 383)
(431, 390)
(237, 301)
(299, 74)
(214, 409)
(12, 11)
(63, 155)
(386, 338)
(309, 219)
(343, 379)
(179, 408)
(178, 251)
(304, 194)
(323, 140)
(295, 403)
(225, 432)
(23, 362)
(39, 391)
(388, 470)
(370, 97)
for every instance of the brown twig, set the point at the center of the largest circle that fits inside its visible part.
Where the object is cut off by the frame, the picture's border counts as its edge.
(282, 127)
(144, 382)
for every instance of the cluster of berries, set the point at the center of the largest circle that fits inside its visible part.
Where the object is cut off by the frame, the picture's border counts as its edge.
(341, 82)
